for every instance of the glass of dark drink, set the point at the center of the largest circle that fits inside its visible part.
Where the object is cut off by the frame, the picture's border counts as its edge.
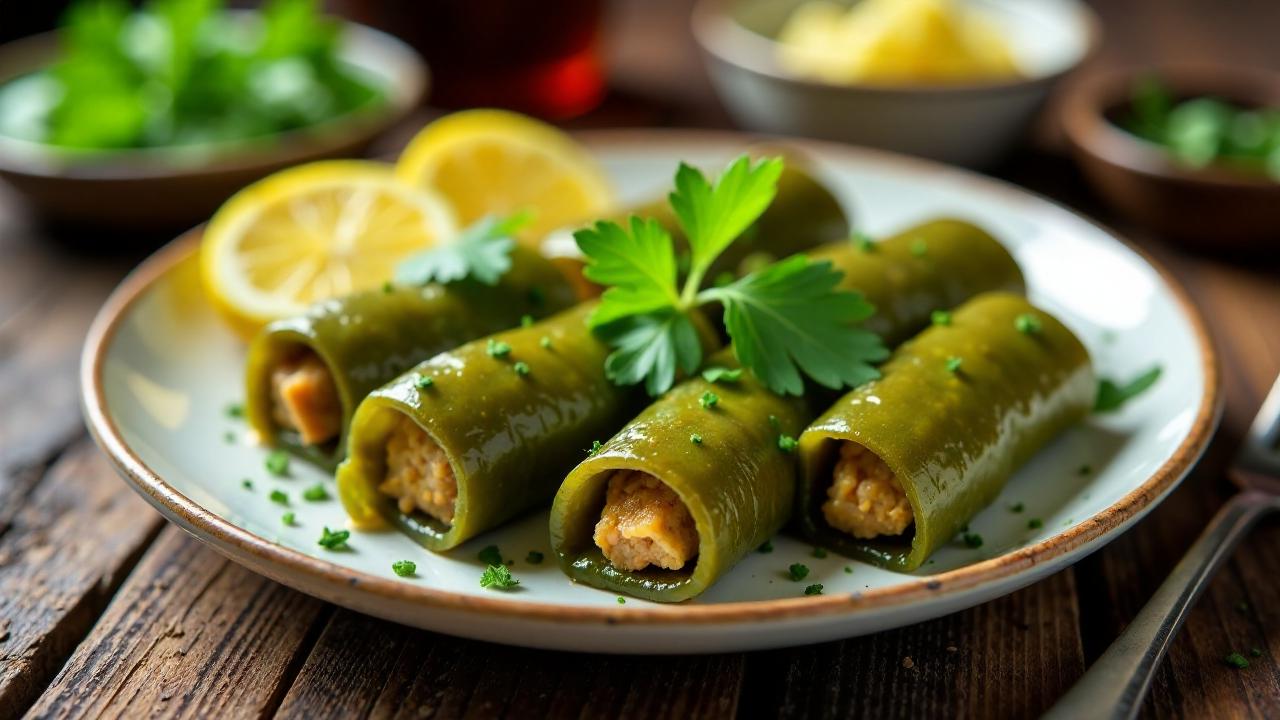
(534, 56)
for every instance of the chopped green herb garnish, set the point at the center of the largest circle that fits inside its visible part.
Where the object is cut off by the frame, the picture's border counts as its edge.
(595, 448)
(1027, 324)
(1112, 395)
(387, 287)
(521, 368)
(1084, 470)
(422, 382)
(247, 484)
(940, 317)
(814, 589)
(715, 374)
(334, 539)
(544, 342)
(235, 410)
(848, 570)
(774, 422)
(482, 252)
(498, 577)
(490, 555)
(229, 437)
(695, 438)
(497, 348)
(819, 552)
(919, 247)
(765, 548)
(526, 320)
(289, 519)
(537, 297)
(1255, 652)
(708, 399)
(1017, 507)
(278, 463)
(534, 557)
(1035, 524)
(279, 497)
(315, 493)
(622, 600)
(953, 364)
(863, 241)
(798, 571)
(786, 320)
(972, 540)
(404, 568)
(1238, 661)
(787, 444)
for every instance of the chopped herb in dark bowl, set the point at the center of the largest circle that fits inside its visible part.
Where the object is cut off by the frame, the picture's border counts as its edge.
(1188, 152)
(181, 102)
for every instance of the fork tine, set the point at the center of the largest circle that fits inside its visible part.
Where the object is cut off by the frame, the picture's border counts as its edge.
(1259, 453)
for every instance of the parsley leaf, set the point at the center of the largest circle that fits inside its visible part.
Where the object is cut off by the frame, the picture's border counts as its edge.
(639, 267)
(482, 251)
(498, 577)
(790, 318)
(712, 217)
(1112, 395)
(649, 348)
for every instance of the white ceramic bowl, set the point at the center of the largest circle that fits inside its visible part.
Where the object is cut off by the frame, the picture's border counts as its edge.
(964, 124)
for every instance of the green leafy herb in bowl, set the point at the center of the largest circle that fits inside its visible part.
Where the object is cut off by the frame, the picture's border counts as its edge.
(1204, 130)
(184, 72)
(145, 120)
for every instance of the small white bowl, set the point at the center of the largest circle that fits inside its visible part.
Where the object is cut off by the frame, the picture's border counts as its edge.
(963, 124)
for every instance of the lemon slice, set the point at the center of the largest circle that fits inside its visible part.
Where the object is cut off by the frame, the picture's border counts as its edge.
(314, 232)
(493, 162)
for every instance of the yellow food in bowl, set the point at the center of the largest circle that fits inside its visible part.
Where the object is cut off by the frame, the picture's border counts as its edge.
(894, 42)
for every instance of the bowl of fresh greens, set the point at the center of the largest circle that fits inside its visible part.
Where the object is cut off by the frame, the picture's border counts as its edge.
(1191, 152)
(148, 119)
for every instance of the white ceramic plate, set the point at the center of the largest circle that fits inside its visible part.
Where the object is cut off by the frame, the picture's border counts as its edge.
(160, 369)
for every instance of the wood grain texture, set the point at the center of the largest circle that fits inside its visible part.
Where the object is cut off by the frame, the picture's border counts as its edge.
(1008, 658)
(68, 550)
(363, 667)
(189, 634)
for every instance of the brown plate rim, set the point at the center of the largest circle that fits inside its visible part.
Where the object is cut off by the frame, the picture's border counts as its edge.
(338, 580)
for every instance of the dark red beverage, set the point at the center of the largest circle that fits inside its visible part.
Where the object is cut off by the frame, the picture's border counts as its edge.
(529, 55)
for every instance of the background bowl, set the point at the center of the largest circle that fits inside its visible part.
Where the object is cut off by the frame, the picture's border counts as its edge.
(963, 124)
(160, 189)
(1214, 208)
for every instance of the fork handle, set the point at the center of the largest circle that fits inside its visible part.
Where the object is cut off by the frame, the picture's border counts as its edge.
(1116, 684)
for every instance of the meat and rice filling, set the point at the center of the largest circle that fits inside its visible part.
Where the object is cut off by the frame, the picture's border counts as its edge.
(865, 500)
(305, 399)
(644, 523)
(419, 475)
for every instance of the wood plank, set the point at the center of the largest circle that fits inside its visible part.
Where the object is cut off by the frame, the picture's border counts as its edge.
(189, 634)
(67, 552)
(1008, 658)
(362, 667)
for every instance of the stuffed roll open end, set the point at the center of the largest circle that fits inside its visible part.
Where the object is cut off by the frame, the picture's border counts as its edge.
(897, 467)
(687, 489)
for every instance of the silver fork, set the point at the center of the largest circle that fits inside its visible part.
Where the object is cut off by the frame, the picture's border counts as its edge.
(1117, 682)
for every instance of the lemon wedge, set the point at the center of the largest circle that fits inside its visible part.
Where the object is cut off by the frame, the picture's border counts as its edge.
(314, 232)
(494, 162)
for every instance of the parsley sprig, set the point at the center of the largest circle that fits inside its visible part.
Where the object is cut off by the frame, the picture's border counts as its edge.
(786, 320)
(482, 252)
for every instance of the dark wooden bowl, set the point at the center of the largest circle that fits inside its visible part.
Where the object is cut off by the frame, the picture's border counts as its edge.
(155, 190)
(1211, 208)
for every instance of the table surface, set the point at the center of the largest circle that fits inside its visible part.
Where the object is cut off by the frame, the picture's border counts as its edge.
(107, 610)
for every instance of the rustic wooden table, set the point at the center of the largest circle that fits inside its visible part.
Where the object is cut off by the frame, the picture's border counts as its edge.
(107, 610)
